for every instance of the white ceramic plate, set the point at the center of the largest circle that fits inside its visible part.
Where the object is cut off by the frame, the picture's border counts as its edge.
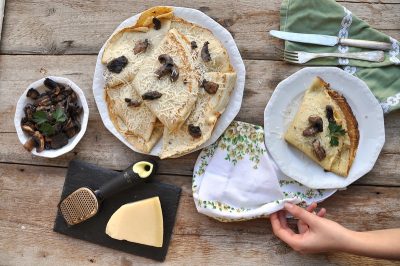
(199, 18)
(284, 104)
(19, 114)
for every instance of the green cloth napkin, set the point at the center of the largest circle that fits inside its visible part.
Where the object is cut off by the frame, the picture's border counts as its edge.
(329, 18)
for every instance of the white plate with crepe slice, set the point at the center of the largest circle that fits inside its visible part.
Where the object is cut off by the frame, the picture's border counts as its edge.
(183, 103)
(325, 151)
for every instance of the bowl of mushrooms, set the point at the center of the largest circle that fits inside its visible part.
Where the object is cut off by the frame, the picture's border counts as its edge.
(51, 117)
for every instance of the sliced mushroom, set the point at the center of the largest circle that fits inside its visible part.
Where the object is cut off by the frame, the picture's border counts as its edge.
(30, 144)
(315, 127)
(134, 103)
(194, 131)
(39, 139)
(33, 94)
(151, 95)
(28, 128)
(329, 113)
(205, 53)
(50, 84)
(209, 86)
(29, 109)
(117, 64)
(59, 140)
(319, 151)
(167, 68)
(193, 45)
(141, 46)
(43, 100)
(157, 23)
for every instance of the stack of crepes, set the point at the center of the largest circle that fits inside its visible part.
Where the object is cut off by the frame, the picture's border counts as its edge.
(166, 78)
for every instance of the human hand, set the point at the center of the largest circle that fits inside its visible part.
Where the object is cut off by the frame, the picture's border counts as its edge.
(316, 234)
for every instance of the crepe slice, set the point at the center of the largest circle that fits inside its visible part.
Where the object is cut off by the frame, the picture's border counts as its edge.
(128, 112)
(338, 136)
(135, 43)
(219, 59)
(208, 109)
(146, 146)
(177, 97)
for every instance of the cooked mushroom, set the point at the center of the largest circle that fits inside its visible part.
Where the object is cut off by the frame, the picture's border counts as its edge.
(316, 126)
(33, 94)
(28, 127)
(29, 109)
(209, 86)
(141, 46)
(59, 140)
(167, 67)
(117, 64)
(157, 23)
(329, 113)
(134, 103)
(194, 131)
(319, 151)
(193, 44)
(205, 53)
(39, 139)
(30, 144)
(43, 100)
(50, 84)
(151, 95)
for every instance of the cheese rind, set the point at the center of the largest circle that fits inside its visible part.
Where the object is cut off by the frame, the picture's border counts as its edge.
(139, 222)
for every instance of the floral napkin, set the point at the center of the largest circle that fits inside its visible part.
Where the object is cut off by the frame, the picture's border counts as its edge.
(330, 18)
(235, 178)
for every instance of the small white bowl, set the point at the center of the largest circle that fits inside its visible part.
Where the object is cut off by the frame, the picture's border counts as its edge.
(19, 114)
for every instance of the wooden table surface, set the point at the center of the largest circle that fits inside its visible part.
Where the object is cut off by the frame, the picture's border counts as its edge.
(63, 38)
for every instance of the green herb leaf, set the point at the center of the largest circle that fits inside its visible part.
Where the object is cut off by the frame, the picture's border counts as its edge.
(59, 115)
(334, 141)
(40, 117)
(47, 129)
(335, 131)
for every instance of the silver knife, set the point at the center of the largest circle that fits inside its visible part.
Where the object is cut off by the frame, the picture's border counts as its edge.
(329, 40)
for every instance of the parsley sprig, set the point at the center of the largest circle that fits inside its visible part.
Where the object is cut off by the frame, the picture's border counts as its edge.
(47, 123)
(335, 131)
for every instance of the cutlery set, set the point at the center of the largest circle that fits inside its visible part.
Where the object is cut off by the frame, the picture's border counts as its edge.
(300, 57)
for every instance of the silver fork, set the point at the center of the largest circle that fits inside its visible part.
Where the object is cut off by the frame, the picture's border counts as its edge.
(299, 57)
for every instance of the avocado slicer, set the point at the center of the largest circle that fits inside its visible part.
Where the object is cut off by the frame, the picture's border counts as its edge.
(84, 202)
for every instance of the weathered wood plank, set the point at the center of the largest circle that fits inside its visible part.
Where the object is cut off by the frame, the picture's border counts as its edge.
(77, 27)
(262, 78)
(29, 195)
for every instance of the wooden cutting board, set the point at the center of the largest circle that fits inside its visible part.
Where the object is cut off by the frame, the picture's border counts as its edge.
(81, 174)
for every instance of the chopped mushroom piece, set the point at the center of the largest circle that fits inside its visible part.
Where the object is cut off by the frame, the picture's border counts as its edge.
(193, 44)
(59, 140)
(209, 86)
(117, 64)
(141, 46)
(157, 23)
(194, 131)
(205, 53)
(39, 139)
(167, 67)
(33, 94)
(319, 151)
(151, 95)
(30, 144)
(315, 127)
(134, 103)
(329, 113)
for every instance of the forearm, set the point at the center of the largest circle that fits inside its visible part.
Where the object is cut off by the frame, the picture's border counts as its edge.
(377, 244)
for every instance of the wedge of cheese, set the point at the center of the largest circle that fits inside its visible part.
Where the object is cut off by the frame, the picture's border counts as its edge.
(139, 222)
(337, 158)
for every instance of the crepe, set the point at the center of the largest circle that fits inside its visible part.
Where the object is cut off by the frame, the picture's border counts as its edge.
(124, 41)
(128, 119)
(142, 145)
(338, 158)
(178, 97)
(207, 110)
(219, 56)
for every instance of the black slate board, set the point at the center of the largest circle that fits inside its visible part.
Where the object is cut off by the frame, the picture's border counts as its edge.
(81, 174)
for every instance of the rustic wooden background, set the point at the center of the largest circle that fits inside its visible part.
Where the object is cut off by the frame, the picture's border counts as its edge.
(62, 38)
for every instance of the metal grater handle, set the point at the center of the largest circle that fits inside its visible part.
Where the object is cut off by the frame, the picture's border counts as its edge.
(127, 179)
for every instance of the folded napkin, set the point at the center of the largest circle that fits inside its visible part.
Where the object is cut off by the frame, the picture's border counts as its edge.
(330, 18)
(235, 178)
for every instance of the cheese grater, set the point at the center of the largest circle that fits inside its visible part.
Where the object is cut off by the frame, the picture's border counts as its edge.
(84, 202)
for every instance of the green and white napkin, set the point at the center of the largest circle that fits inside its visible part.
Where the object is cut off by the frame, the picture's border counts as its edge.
(330, 18)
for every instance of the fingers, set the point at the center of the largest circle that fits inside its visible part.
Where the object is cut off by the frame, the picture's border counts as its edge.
(311, 207)
(300, 213)
(282, 230)
(321, 212)
(282, 219)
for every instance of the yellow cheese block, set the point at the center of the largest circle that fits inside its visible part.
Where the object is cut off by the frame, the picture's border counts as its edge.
(140, 222)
